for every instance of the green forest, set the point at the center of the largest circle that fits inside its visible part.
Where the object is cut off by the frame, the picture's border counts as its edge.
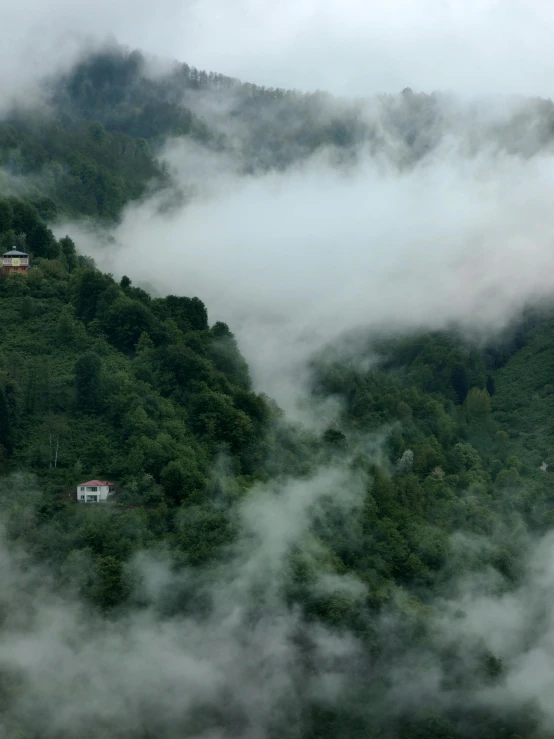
(445, 436)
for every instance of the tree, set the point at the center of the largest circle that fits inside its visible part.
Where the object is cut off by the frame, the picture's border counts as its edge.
(181, 479)
(478, 402)
(41, 241)
(464, 457)
(54, 427)
(173, 479)
(87, 286)
(6, 216)
(501, 439)
(65, 328)
(111, 587)
(188, 313)
(225, 354)
(460, 382)
(69, 253)
(47, 208)
(88, 382)
(27, 307)
(37, 388)
(125, 321)
(97, 131)
(406, 462)
(144, 492)
(5, 422)
(334, 437)
(20, 241)
(25, 216)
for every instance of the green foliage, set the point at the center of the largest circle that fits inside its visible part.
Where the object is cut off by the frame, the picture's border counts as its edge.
(100, 380)
(188, 313)
(140, 386)
(87, 285)
(88, 382)
(84, 169)
(478, 402)
(5, 422)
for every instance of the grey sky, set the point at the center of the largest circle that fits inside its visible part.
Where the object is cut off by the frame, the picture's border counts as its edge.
(345, 46)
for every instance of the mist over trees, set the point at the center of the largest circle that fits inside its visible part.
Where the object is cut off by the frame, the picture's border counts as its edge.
(93, 145)
(386, 575)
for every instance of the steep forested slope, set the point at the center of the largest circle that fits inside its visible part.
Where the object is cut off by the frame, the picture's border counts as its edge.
(443, 441)
(97, 378)
(71, 336)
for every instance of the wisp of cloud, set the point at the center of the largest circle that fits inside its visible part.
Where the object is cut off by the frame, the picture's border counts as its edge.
(235, 667)
(293, 260)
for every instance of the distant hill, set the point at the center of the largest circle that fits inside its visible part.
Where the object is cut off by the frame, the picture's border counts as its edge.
(96, 148)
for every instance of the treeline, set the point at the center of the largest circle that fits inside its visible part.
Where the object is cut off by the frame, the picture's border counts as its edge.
(95, 147)
(268, 127)
(263, 127)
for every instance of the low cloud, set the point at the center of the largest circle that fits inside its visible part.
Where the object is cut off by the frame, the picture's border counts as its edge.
(233, 667)
(240, 659)
(293, 260)
(346, 47)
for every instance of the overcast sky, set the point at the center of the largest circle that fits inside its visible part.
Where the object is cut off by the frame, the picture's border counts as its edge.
(344, 46)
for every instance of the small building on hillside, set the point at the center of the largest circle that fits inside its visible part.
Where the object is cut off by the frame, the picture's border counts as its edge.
(95, 491)
(15, 261)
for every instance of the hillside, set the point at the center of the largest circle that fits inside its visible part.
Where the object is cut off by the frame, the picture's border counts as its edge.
(98, 379)
(253, 578)
(95, 142)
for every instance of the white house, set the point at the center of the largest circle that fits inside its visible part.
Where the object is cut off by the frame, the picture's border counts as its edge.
(94, 491)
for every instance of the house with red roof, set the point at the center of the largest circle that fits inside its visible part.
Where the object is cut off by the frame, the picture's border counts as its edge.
(95, 491)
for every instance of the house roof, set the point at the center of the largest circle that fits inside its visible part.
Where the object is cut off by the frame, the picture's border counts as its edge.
(15, 253)
(94, 483)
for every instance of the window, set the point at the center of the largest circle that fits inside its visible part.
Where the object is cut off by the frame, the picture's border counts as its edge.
(82, 489)
(82, 497)
(92, 498)
(91, 490)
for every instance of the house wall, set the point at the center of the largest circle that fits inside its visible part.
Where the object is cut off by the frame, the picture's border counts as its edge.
(10, 270)
(102, 492)
(14, 264)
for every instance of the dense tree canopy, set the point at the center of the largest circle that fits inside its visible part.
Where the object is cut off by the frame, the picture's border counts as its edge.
(445, 438)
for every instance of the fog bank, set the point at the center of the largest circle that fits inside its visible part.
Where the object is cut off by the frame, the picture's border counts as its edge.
(292, 260)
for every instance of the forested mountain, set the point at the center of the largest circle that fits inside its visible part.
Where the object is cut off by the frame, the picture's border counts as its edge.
(270, 127)
(93, 144)
(252, 578)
